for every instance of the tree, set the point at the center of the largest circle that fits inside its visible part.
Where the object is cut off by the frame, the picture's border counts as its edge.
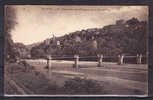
(132, 21)
(37, 52)
(9, 25)
(136, 33)
(22, 50)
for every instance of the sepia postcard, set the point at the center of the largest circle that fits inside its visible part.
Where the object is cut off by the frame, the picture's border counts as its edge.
(75, 50)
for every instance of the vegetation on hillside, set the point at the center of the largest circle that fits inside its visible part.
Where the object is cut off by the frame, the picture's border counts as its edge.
(125, 37)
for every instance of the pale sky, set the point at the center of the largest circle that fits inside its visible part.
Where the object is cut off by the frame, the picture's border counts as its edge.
(37, 23)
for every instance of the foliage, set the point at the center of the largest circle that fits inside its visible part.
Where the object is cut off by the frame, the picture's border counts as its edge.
(9, 24)
(128, 37)
(22, 50)
(37, 52)
(82, 86)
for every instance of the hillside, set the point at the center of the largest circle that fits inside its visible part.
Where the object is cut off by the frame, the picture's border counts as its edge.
(32, 45)
(125, 37)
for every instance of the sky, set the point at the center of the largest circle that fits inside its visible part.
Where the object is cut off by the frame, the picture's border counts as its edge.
(39, 22)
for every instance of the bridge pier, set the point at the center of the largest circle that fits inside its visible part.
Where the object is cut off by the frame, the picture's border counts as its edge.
(100, 60)
(120, 59)
(76, 62)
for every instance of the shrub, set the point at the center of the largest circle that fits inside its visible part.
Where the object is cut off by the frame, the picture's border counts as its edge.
(82, 86)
